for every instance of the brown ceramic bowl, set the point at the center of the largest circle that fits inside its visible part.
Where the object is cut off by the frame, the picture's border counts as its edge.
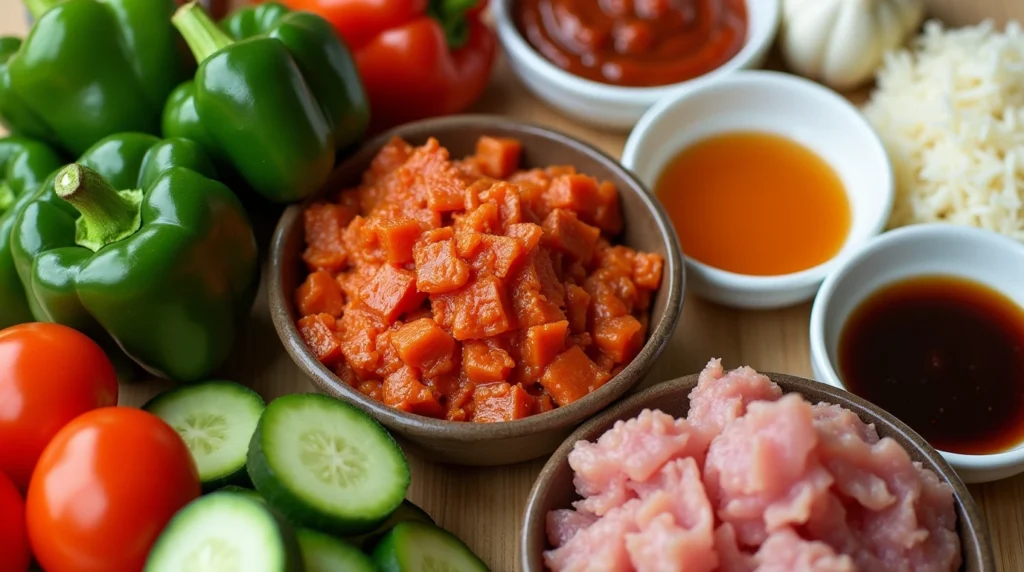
(554, 488)
(647, 228)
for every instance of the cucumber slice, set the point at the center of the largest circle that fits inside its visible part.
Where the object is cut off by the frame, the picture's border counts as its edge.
(406, 511)
(226, 532)
(422, 547)
(324, 553)
(327, 465)
(216, 419)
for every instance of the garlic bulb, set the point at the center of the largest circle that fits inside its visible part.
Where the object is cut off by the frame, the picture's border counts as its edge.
(841, 42)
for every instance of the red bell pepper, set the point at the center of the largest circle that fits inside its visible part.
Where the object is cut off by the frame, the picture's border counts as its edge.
(417, 58)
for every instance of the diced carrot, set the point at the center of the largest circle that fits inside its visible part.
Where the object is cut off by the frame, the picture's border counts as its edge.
(390, 157)
(324, 226)
(358, 329)
(490, 253)
(536, 293)
(608, 214)
(576, 303)
(527, 233)
(481, 310)
(620, 337)
(574, 192)
(391, 292)
(572, 375)
(438, 267)
(372, 388)
(319, 294)
(483, 218)
(437, 235)
(388, 360)
(459, 399)
(362, 243)
(542, 404)
(403, 390)
(647, 270)
(485, 363)
(506, 197)
(565, 232)
(498, 157)
(496, 402)
(397, 237)
(436, 177)
(424, 345)
(541, 344)
(603, 301)
(318, 333)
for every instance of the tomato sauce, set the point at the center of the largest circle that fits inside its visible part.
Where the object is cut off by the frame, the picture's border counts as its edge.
(471, 290)
(639, 43)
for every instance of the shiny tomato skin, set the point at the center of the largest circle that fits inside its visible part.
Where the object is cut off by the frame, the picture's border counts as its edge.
(14, 554)
(104, 489)
(49, 374)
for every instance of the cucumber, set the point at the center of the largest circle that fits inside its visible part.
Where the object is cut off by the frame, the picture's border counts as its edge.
(325, 553)
(226, 532)
(406, 511)
(327, 465)
(216, 419)
(421, 547)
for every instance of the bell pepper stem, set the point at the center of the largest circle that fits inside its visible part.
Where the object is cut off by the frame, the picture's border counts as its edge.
(39, 7)
(201, 33)
(108, 215)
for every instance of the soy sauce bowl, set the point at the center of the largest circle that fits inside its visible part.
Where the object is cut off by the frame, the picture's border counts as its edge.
(916, 251)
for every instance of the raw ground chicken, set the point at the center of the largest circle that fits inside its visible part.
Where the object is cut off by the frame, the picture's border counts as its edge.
(751, 481)
(471, 290)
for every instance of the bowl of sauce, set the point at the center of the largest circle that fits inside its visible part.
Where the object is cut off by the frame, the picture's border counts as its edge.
(764, 193)
(927, 322)
(604, 62)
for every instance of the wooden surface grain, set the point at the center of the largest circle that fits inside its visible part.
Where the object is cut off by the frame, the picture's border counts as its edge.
(484, 506)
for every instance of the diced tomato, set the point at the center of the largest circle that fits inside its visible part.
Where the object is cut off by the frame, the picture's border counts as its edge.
(576, 303)
(403, 390)
(647, 270)
(484, 363)
(542, 343)
(501, 402)
(424, 345)
(620, 337)
(571, 376)
(324, 225)
(537, 295)
(397, 237)
(498, 157)
(527, 233)
(391, 292)
(480, 310)
(438, 267)
(568, 234)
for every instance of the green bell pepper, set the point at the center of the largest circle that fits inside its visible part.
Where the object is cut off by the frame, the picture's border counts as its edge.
(276, 101)
(91, 68)
(24, 166)
(135, 240)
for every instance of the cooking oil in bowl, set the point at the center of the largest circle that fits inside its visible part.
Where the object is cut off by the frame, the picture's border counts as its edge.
(755, 203)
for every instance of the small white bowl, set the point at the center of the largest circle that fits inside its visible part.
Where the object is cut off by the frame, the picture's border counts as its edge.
(921, 250)
(610, 106)
(773, 102)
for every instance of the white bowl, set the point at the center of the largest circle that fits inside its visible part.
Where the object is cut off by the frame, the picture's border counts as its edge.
(913, 251)
(774, 102)
(610, 106)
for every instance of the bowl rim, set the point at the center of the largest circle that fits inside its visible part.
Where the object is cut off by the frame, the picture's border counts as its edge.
(911, 234)
(975, 526)
(804, 88)
(760, 36)
(673, 280)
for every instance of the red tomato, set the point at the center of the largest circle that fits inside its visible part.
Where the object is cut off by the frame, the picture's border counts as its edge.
(104, 489)
(49, 374)
(14, 555)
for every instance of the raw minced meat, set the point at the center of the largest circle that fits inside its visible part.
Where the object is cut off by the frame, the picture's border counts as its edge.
(751, 481)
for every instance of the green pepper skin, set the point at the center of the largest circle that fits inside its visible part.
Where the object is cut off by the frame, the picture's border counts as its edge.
(92, 68)
(277, 104)
(24, 166)
(174, 294)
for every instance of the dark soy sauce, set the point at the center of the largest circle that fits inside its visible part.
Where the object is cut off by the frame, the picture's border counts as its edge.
(945, 356)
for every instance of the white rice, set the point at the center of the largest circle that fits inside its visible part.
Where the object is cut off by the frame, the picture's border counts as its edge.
(951, 113)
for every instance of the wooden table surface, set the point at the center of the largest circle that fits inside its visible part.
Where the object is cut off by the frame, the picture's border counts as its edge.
(484, 506)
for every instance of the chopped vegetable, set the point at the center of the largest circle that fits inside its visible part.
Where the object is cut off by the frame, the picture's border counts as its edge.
(405, 512)
(421, 547)
(327, 465)
(216, 419)
(89, 69)
(445, 292)
(325, 553)
(225, 531)
(281, 86)
(416, 59)
(139, 224)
